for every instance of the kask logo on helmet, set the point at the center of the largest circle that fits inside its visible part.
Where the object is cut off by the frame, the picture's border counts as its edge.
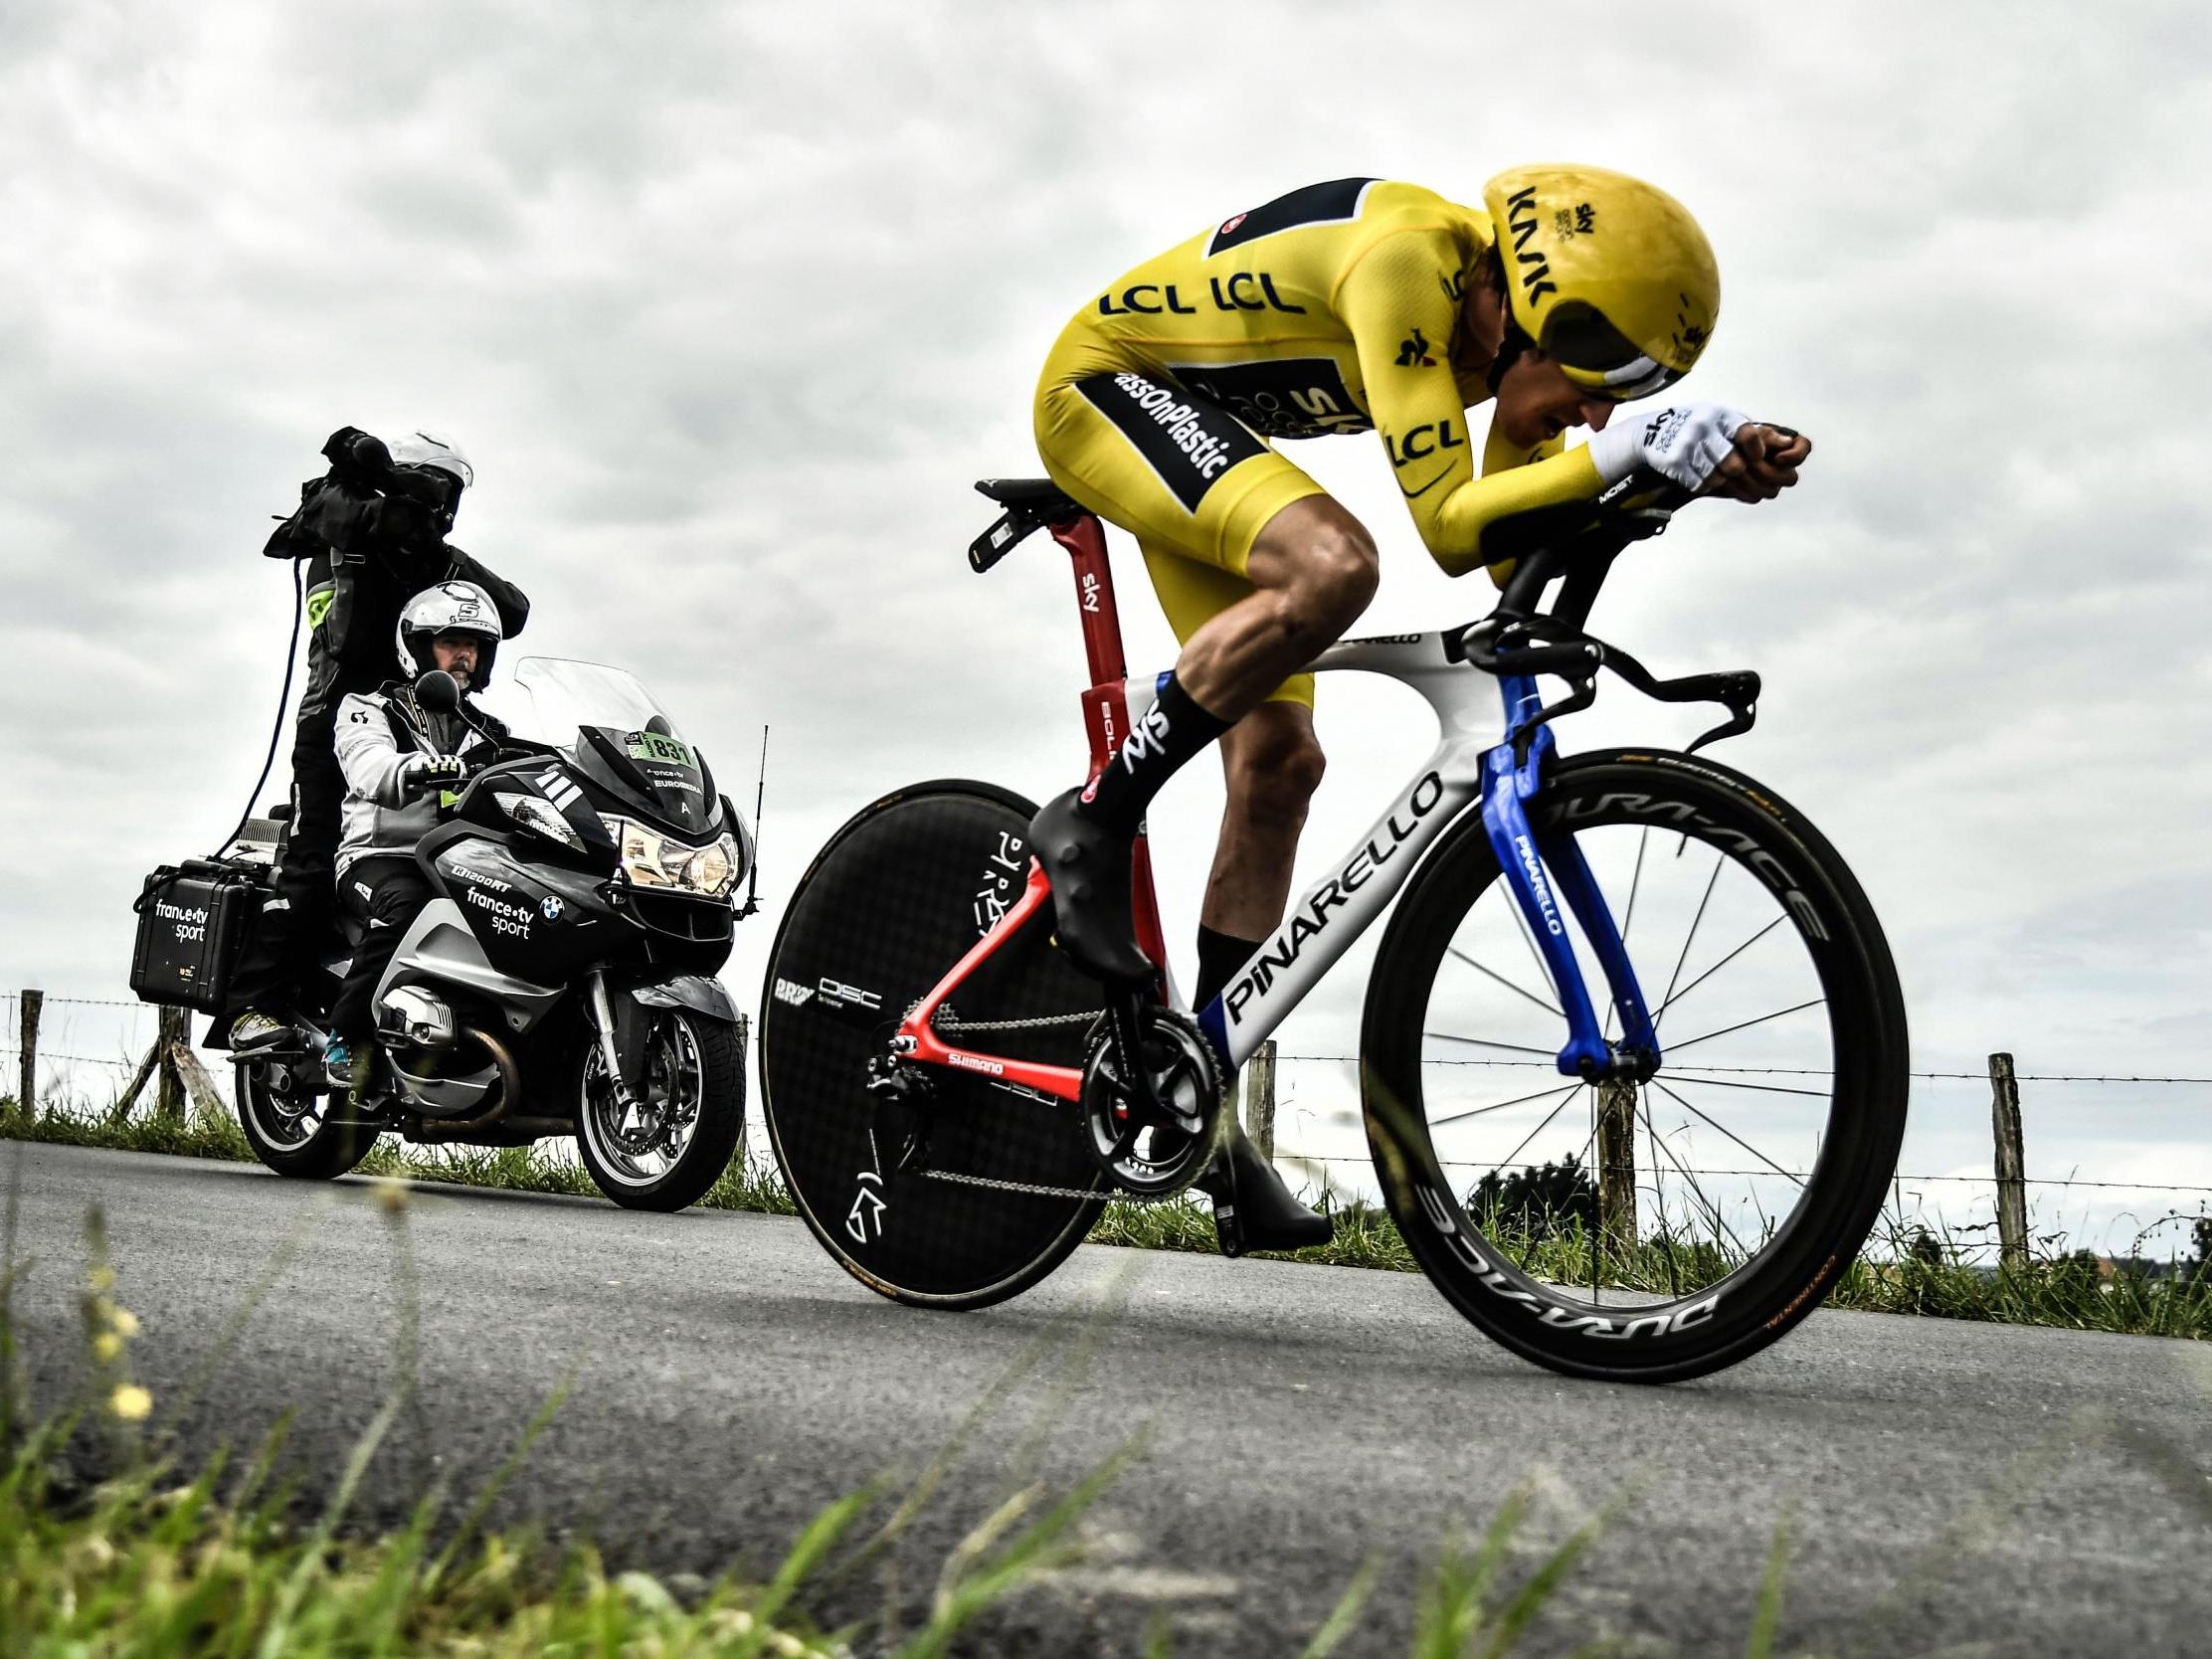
(1523, 222)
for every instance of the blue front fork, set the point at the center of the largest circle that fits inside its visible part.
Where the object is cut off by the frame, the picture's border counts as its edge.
(1526, 858)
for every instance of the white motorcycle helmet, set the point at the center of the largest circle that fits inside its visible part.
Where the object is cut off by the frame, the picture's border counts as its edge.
(429, 457)
(422, 449)
(450, 606)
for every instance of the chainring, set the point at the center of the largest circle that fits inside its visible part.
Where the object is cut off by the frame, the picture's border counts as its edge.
(1154, 1158)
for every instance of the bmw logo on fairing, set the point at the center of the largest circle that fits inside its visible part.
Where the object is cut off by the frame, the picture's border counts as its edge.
(552, 906)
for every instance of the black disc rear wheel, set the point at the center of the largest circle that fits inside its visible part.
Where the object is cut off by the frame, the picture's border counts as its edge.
(1640, 1232)
(1003, 1187)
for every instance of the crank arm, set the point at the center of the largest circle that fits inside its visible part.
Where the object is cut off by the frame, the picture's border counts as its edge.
(1145, 1106)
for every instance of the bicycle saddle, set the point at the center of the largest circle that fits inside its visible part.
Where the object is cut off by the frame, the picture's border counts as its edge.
(1038, 495)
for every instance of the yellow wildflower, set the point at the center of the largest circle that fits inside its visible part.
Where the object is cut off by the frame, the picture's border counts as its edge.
(131, 1402)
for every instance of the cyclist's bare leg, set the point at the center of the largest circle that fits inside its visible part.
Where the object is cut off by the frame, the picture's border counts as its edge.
(1315, 568)
(1272, 763)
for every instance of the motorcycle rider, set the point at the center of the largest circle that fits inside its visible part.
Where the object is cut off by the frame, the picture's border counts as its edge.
(373, 532)
(401, 761)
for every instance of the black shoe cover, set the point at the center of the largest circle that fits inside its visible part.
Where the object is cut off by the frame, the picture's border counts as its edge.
(1253, 1209)
(1089, 868)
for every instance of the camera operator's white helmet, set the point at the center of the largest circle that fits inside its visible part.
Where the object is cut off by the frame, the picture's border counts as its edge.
(449, 608)
(423, 448)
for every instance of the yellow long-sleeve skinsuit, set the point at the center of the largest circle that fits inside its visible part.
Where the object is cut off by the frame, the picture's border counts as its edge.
(1333, 308)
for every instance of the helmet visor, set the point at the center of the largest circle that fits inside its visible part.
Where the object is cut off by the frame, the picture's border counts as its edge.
(432, 487)
(1599, 357)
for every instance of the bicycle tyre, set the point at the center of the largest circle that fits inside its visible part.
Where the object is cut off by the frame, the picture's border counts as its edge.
(1780, 1283)
(889, 904)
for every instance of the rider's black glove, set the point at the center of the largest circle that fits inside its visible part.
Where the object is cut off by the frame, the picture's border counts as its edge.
(425, 773)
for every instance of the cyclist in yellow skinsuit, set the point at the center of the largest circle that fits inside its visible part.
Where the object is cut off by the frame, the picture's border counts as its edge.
(1355, 305)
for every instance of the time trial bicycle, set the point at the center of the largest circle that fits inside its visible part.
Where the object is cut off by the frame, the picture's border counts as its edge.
(1670, 1187)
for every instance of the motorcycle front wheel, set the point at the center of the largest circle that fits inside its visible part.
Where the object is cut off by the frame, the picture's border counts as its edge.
(668, 1148)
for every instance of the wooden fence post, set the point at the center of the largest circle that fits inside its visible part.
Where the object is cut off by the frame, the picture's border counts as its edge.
(1617, 1167)
(27, 1088)
(176, 1035)
(2012, 1188)
(1259, 1098)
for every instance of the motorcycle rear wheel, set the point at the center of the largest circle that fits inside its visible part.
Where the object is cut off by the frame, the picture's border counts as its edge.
(291, 1125)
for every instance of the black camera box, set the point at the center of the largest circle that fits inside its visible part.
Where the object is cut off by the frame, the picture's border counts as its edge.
(192, 921)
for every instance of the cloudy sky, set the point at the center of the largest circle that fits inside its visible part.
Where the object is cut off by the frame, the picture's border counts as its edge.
(731, 305)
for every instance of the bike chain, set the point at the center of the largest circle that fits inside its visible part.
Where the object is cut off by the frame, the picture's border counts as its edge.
(1031, 1188)
(941, 1024)
(1036, 1190)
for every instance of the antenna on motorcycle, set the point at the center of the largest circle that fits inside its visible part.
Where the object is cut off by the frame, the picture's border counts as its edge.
(753, 876)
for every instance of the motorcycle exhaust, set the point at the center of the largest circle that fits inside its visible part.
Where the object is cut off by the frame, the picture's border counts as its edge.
(510, 1092)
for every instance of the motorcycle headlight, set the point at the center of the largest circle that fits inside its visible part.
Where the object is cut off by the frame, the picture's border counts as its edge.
(651, 860)
(714, 867)
(538, 815)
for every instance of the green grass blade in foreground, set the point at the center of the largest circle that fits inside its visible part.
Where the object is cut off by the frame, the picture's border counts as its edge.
(1343, 1617)
(1767, 1616)
(962, 1593)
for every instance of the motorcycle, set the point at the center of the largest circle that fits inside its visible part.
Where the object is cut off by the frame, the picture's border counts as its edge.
(561, 982)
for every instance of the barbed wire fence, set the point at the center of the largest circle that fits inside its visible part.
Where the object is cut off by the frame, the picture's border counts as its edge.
(1998, 1223)
(48, 1055)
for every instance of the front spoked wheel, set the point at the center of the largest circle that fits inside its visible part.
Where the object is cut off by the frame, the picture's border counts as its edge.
(1653, 1232)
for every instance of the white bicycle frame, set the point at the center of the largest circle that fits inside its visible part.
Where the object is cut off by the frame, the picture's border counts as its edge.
(1320, 926)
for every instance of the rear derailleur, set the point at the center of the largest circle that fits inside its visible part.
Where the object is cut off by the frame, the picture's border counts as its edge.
(905, 1098)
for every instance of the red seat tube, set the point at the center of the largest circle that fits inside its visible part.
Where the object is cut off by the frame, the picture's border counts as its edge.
(1106, 702)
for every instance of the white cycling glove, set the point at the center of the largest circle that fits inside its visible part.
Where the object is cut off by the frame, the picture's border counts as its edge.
(1682, 445)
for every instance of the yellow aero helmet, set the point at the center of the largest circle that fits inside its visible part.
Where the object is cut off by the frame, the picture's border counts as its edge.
(1609, 276)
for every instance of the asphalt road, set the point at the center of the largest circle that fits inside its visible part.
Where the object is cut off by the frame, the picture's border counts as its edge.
(1956, 1488)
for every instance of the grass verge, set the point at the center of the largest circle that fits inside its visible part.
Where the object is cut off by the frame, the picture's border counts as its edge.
(1913, 1272)
(110, 1547)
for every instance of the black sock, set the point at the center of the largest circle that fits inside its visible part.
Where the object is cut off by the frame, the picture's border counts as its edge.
(1219, 956)
(1173, 730)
